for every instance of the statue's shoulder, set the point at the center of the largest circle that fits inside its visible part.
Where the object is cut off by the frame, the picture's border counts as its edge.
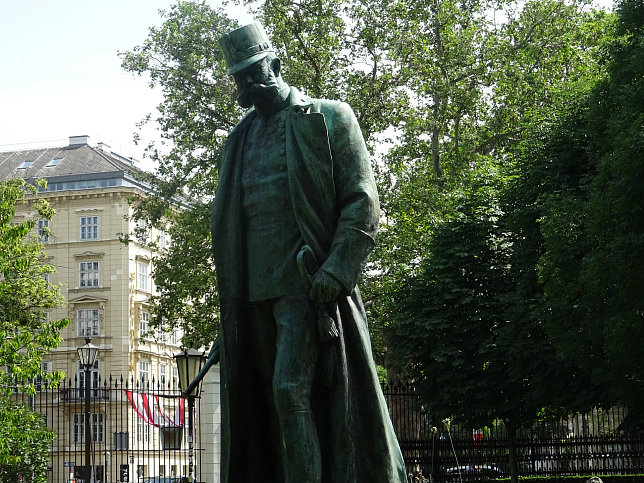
(338, 115)
(328, 107)
(331, 107)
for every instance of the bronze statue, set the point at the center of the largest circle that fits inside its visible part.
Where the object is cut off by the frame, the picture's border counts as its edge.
(293, 221)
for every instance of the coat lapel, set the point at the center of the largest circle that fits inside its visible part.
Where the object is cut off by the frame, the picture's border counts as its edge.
(310, 171)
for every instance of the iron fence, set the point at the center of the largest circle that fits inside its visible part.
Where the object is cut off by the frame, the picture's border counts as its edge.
(582, 444)
(138, 431)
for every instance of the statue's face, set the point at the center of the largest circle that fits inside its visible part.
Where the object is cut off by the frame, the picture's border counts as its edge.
(256, 84)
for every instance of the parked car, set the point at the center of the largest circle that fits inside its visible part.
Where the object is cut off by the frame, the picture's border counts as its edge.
(166, 479)
(473, 472)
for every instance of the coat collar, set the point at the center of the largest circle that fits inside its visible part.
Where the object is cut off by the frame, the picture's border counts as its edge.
(299, 100)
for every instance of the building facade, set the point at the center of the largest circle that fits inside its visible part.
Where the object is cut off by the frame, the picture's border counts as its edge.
(107, 285)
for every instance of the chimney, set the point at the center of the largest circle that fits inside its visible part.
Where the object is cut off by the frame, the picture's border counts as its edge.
(103, 147)
(77, 141)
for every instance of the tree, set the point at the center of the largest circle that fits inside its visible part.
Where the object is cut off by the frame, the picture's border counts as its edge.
(581, 180)
(612, 272)
(478, 85)
(462, 333)
(183, 59)
(24, 443)
(437, 86)
(25, 331)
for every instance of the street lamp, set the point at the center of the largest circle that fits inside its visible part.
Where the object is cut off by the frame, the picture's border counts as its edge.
(87, 355)
(189, 363)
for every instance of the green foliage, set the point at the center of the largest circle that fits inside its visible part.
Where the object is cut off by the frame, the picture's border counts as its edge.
(183, 59)
(461, 331)
(582, 193)
(25, 332)
(24, 443)
(184, 279)
(439, 89)
(478, 84)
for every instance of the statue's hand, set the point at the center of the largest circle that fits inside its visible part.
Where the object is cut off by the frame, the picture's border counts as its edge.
(324, 287)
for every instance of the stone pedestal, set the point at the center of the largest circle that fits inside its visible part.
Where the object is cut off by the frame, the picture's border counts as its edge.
(210, 427)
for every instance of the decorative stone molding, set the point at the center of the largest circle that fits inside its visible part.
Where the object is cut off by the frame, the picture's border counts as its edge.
(87, 301)
(89, 210)
(88, 255)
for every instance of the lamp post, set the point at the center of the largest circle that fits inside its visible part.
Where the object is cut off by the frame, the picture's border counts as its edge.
(87, 355)
(189, 363)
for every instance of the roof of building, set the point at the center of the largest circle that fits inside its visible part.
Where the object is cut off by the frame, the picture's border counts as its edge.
(65, 167)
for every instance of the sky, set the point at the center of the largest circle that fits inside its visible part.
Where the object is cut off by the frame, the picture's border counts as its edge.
(61, 75)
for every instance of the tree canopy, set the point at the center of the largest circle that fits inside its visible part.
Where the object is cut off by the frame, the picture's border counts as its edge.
(26, 333)
(581, 189)
(438, 87)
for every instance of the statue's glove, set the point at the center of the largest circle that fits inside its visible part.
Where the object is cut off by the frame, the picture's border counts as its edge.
(324, 287)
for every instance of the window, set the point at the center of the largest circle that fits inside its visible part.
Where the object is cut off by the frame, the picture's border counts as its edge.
(89, 228)
(53, 162)
(94, 380)
(88, 274)
(162, 239)
(43, 230)
(25, 165)
(88, 323)
(97, 422)
(142, 231)
(144, 325)
(142, 430)
(142, 278)
(175, 377)
(144, 374)
(121, 441)
(40, 383)
(46, 277)
(163, 375)
(174, 337)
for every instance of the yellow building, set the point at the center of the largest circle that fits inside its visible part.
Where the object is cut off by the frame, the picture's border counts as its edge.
(107, 285)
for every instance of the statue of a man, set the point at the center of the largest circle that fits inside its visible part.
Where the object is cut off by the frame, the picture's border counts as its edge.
(293, 220)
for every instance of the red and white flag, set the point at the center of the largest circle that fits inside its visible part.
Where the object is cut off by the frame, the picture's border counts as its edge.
(140, 402)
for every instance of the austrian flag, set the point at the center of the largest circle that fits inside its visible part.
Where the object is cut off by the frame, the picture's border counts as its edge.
(154, 413)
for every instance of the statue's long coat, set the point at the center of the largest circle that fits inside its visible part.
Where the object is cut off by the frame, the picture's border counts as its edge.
(335, 202)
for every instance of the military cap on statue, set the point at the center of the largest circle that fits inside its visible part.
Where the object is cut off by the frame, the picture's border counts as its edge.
(245, 46)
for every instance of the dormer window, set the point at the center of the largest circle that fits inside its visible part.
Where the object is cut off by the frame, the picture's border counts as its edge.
(53, 162)
(25, 165)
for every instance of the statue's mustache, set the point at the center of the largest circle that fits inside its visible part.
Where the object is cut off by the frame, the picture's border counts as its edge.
(255, 88)
(259, 87)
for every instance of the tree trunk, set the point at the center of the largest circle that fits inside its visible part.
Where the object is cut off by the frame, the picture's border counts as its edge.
(512, 451)
(436, 132)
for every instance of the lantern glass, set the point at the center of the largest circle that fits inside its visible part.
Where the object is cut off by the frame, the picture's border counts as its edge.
(87, 353)
(189, 363)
